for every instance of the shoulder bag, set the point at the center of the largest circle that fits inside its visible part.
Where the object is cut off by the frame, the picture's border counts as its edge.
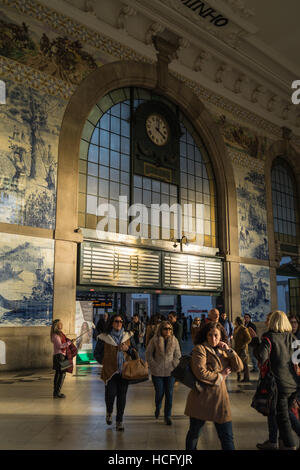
(135, 370)
(265, 397)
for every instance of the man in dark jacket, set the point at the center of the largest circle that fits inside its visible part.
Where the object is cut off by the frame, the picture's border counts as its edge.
(248, 324)
(102, 324)
(227, 325)
(177, 327)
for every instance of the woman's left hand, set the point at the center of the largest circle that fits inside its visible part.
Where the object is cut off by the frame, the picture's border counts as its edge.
(124, 347)
(223, 346)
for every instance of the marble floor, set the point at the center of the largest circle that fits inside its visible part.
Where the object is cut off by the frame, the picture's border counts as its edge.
(30, 419)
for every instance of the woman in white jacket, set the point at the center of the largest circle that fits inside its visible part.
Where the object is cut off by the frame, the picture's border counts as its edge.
(163, 354)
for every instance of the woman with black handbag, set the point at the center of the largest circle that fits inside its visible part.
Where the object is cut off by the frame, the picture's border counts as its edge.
(276, 347)
(62, 357)
(111, 350)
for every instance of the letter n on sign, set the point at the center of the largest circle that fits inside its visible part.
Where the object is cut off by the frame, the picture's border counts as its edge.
(2, 92)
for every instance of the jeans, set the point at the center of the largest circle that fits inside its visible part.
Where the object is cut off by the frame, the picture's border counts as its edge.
(164, 386)
(58, 381)
(273, 427)
(244, 357)
(116, 387)
(253, 358)
(283, 419)
(224, 431)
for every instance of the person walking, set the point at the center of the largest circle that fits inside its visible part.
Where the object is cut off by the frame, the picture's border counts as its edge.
(195, 328)
(277, 346)
(242, 338)
(114, 345)
(249, 324)
(177, 327)
(212, 361)
(138, 329)
(163, 354)
(294, 321)
(152, 327)
(227, 325)
(60, 353)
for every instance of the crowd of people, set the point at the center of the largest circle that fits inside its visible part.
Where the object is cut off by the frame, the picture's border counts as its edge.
(220, 348)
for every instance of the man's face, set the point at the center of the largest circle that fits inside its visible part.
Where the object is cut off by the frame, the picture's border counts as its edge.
(135, 319)
(171, 318)
(247, 318)
(224, 316)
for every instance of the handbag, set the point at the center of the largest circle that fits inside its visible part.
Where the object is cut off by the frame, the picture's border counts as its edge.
(265, 397)
(73, 349)
(135, 370)
(183, 373)
(63, 362)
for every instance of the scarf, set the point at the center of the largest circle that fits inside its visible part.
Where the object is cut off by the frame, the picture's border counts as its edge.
(117, 336)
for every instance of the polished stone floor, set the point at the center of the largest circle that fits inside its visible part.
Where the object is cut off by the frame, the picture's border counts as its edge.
(31, 419)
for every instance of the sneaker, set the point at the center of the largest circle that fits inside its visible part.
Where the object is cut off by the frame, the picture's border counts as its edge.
(267, 445)
(59, 395)
(108, 418)
(119, 426)
(168, 422)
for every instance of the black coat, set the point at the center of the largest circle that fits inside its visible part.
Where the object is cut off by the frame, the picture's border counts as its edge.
(280, 359)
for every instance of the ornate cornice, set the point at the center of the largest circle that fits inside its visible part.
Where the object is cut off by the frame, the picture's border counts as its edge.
(25, 75)
(240, 159)
(70, 27)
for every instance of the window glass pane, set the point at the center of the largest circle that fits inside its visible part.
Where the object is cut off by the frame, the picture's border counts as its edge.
(125, 129)
(115, 125)
(125, 163)
(114, 175)
(104, 122)
(147, 183)
(114, 191)
(115, 160)
(104, 156)
(116, 110)
(104, 138)
(92, 184)
(138, 181)
(91, 205)
(125, 177)
(104, 172)
(103, 188)
(95, 137)
(93, 153)
(115, 142)
(92, 169)
(125, 145)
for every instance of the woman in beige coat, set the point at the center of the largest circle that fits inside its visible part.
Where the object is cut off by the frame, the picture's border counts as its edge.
(212, 361)
(163, 354)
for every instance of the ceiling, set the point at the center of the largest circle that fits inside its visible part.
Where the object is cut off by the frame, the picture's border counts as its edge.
(278, 25)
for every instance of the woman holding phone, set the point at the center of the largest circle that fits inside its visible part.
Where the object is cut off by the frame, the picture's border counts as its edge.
(212, 361)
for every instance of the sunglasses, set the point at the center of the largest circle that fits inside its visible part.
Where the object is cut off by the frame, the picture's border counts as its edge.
(167, 328)
(118, 321)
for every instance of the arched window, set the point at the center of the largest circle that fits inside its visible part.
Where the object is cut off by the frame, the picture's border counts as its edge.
(106, 172)
(285, 205)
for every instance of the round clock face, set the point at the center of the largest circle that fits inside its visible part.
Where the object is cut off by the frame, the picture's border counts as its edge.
(157, 129)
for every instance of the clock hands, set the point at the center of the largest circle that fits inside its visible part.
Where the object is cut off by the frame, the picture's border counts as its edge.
(160, 132)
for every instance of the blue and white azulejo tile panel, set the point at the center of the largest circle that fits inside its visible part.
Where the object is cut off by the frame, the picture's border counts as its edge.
(26, 280)
(255, 291)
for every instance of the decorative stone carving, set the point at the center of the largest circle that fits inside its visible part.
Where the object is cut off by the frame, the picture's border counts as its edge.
(220, 73)
(285, 111)
(201, 58)
(89, 6)
(258, 91)
(125, 12)
(272, 103)
(183, 44)
(166, 53)
(238, 83)
(155, 28)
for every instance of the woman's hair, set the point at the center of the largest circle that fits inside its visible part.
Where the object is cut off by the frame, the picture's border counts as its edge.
(197, 318)
(239, 321)
(279, 322)
(162, 325)
(111, 320)
(201, 336)
(54, 330)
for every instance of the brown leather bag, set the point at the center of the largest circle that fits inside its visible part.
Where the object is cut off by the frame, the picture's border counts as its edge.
(135, 370)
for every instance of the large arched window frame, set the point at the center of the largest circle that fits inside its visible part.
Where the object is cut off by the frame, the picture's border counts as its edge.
(285, 203)
(105, 168)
